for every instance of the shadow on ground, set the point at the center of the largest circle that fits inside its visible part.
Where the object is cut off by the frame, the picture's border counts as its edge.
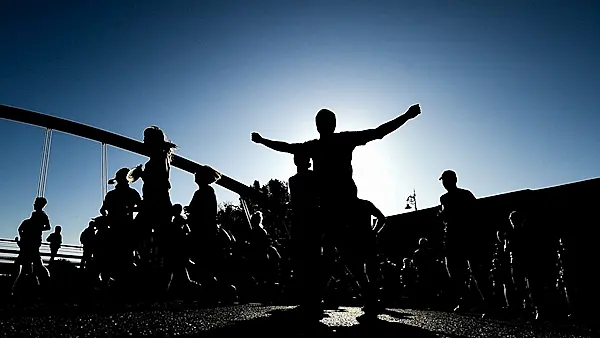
(287, 323)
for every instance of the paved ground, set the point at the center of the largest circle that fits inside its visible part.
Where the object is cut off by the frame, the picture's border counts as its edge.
(256, 320)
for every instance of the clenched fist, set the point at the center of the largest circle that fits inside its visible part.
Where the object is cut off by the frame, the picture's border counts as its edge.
(256, 138)
(413, 111)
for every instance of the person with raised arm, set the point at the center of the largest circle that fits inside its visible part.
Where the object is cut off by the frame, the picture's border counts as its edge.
(332, 163)
(332, 152)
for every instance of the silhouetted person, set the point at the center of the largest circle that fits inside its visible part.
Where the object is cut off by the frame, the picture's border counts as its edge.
(424, 261)
(55, 240)
(306, 237)
(408, 278)
(332, 161)
(332, 152)
(156, 206)
(358, 250)
(30, 234)
(177, 255)
(118, 207)
(533, 258)
(87, 240)
(260, 246)
(202, 221)
(465, 253)
(501, 271)
(104, 251)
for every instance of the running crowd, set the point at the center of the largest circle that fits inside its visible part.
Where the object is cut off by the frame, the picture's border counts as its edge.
(145, 244)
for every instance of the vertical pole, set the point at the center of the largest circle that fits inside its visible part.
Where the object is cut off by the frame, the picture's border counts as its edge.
(415, 199)
(104, 169)
(45, 163)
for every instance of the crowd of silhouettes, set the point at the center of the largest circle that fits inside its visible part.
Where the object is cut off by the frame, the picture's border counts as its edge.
(146, 245)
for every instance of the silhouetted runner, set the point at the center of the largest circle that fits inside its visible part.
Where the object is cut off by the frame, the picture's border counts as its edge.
(55, 240)
(358, 250)
(155, 212)
(465, 243)
(306, 241)
(30, 241)
(119, 206)
(202, 221)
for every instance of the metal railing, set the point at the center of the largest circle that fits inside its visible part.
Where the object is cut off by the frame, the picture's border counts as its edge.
(9, 251)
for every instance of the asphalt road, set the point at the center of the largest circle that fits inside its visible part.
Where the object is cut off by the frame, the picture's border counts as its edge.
(251, 320)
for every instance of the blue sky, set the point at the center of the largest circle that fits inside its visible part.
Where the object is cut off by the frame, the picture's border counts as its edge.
(509, 92)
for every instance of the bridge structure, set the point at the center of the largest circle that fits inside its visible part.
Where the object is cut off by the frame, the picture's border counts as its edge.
(53, 123)
(107, 138)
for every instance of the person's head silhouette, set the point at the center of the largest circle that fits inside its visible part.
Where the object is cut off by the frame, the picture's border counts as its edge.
(302, 162)
(325, 121)
(449, 179)
(58, 229)
(121, 177)
(157, 141)
(206, 175)
(40, 203)
(177, 209)
(257, 219)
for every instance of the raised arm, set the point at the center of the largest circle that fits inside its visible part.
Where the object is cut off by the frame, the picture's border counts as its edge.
(393, 125)
(280, 146)
(359, 138)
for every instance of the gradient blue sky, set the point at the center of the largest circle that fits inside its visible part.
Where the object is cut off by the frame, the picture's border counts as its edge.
(509, 92)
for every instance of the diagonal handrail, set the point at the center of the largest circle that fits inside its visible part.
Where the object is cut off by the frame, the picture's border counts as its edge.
(119, 141)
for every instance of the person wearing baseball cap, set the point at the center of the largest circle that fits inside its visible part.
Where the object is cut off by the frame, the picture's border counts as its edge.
(463, 243)
(448, 175)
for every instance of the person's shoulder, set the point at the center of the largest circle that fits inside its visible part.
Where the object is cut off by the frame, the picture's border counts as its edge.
(134, 193)
(346, 135)
(132, 190)
(466, 192)
(205, 191)
(362, 203)
(41, 214)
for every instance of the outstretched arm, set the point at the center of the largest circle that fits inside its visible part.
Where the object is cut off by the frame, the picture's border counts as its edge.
(365, 136)
(280, 146)
(393, 125)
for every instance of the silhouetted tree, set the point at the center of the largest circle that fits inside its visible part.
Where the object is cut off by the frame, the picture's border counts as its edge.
(275, 213)
(231, 216)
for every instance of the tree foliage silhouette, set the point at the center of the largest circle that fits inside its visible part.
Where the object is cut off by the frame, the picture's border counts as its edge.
(275, 215)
